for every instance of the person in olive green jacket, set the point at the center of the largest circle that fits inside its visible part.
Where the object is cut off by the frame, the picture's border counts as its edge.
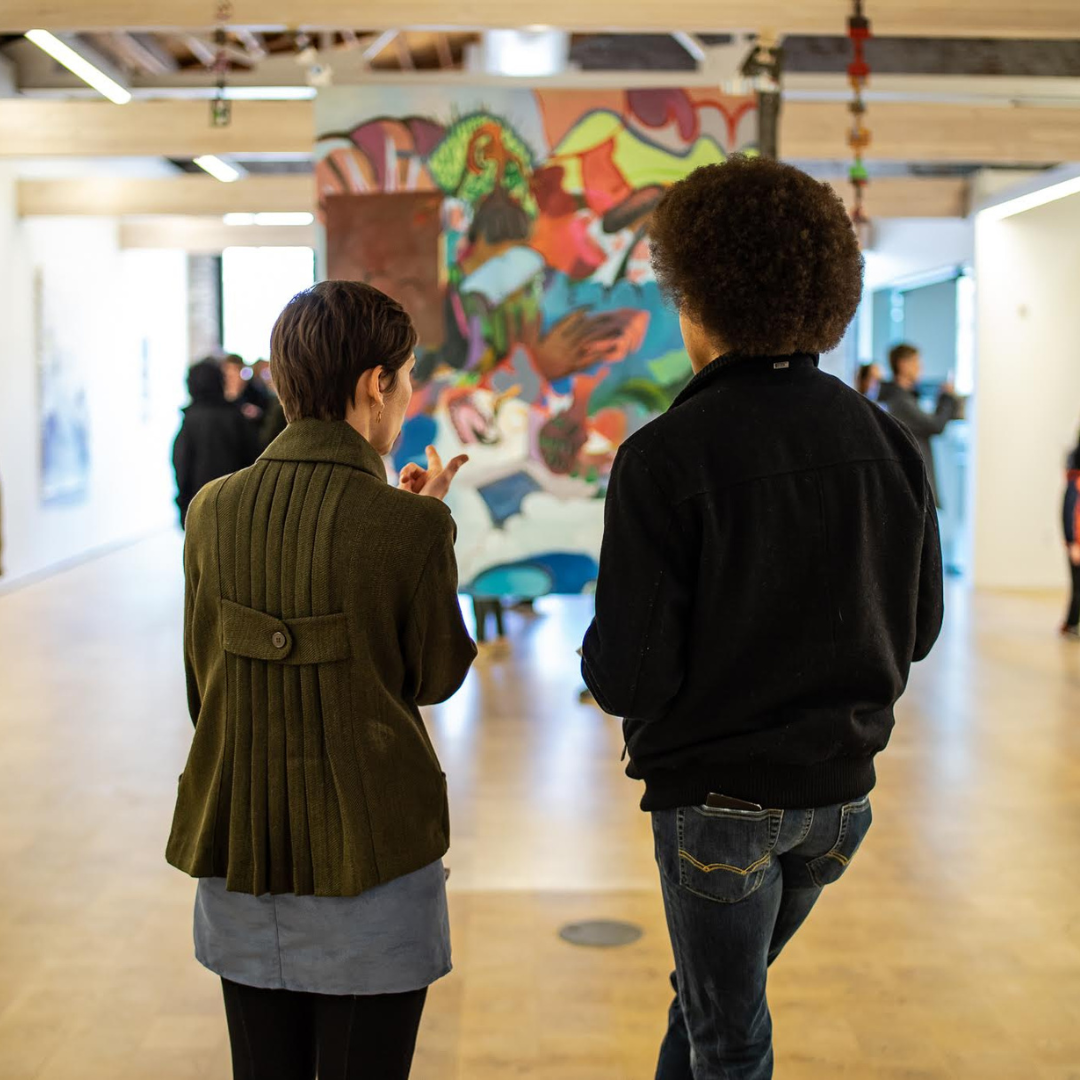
(321, 612)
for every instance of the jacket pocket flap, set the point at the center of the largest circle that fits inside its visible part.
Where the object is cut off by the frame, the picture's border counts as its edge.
(320, 639)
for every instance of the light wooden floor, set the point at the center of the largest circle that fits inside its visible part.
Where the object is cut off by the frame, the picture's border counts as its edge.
(951, 949)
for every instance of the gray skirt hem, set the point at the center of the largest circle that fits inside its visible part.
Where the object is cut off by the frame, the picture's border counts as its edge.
(359, 989)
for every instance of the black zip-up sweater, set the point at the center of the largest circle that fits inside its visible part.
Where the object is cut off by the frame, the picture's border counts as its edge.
(770, 569)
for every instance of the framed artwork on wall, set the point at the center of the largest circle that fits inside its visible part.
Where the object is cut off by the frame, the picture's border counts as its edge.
(63, 409)
(513, 225)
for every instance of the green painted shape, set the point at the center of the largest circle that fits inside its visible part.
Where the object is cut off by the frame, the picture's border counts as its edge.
(671, 368)
(640, 162)
(448, 163)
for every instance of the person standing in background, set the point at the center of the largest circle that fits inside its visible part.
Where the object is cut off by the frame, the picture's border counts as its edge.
(901, 399)
(868, 381)
(260, 375)
(214, 438)
(1071, 521)
(273, 422)
(247, 393)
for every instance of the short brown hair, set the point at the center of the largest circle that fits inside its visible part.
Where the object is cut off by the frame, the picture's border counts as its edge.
(761, 255)
(326, 338)
(898, 354)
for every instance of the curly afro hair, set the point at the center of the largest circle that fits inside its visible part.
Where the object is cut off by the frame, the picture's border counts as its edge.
(760, 255)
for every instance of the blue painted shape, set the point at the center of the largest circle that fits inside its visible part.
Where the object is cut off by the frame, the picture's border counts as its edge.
(416, 436)
(503, 497)
(504, 274)
(521, 581)
(571, 571)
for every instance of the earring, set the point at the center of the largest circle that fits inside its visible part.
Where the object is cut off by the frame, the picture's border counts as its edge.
(378, 419)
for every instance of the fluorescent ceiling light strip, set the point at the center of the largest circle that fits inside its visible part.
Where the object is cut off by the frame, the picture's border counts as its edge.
(1034, 199)
(290, 218)
(272, 218)
(79, 65)
(269, 93)
(218, 169)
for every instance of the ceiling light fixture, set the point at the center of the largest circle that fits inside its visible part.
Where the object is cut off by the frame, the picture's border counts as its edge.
(218, 169)
(273, 218)
(78, 65)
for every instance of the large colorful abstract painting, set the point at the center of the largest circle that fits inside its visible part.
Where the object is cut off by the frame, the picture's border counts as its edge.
(552, 341)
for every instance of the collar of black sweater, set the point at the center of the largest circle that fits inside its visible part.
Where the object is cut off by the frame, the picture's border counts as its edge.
(735, 365)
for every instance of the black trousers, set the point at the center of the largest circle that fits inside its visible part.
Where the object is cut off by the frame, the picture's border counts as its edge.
(287, 1035)
(1073, 618)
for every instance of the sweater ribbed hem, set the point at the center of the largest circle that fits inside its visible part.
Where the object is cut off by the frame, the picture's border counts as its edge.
(773, 786)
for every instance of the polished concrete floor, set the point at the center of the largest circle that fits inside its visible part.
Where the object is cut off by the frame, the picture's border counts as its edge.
(950, 949)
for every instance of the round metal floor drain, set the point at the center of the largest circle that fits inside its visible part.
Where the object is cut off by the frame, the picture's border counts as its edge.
(601, 933)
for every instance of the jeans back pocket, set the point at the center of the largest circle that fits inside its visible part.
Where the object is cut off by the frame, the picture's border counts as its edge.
(724, 854)
(855, 820)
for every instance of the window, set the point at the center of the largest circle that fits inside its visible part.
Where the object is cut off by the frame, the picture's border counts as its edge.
(256, 283)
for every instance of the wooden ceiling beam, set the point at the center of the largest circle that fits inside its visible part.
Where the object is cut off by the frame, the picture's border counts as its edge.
(209, 235)
(444, 52)
(912, 196)
(184, 195)
(154, 128)
(1059, 19)
(904, 131)
(808, 130)
(404, 53)
(202, 196)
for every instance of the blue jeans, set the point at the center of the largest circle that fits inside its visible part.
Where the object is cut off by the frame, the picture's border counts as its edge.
(737, 885)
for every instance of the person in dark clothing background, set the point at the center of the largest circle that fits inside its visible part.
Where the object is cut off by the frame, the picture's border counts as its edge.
(901, 399)
(245, 390)
(1071, 522)
(770, 570)
(868, 380)
(214, 439)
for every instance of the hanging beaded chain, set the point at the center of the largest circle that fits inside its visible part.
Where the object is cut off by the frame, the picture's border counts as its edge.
(220, 106)
(858, 133)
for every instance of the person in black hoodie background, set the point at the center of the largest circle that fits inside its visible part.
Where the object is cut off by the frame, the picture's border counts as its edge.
(770, 570)
(214, 439)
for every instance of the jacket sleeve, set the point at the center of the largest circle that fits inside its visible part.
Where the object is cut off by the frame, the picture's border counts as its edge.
(183, 454)
(438, 648)
(923, 424)
(191, 585)
(633, 658)
(931, 604)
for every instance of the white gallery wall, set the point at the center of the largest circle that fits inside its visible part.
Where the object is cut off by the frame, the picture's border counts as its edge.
(903, 248)
(116, 322)
(1027, 401)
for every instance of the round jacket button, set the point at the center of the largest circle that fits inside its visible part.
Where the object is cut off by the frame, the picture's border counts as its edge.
(278, 640)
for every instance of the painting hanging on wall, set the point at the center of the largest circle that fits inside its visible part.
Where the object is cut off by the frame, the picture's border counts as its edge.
(63, 409)
(545, 341)
(392, 242)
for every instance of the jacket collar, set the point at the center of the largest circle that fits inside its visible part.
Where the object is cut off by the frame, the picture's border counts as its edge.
(331, 441)
(733, 365)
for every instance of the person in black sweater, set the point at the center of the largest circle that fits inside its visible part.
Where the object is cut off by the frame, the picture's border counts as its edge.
(770, 570)
(214, 439)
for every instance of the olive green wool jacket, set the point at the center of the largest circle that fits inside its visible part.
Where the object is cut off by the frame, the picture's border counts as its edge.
(321, 611)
